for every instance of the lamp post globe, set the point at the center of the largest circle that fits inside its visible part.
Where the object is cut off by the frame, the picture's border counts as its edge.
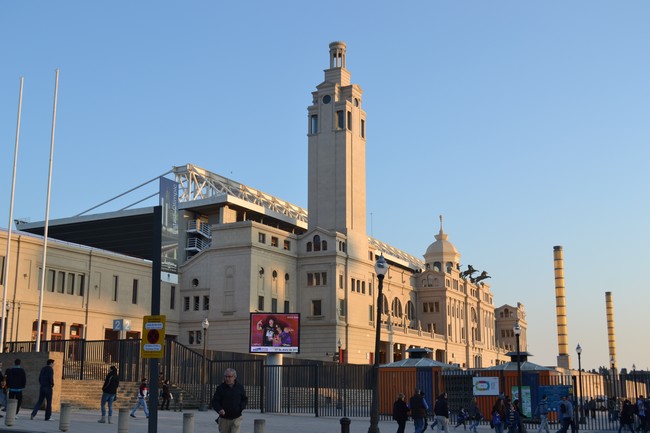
(205, 325)
(517, 331)
(381, 267)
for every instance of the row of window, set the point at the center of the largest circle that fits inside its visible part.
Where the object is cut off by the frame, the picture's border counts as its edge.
(275, 241)
(116, 289)
(317, 278)
(340, 123)
(261, 305)
(194, 303)
(69, 283)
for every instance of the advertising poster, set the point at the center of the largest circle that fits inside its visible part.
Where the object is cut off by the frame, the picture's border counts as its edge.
(275, 333)
(169, 202)
(485, 385)
(526, 405)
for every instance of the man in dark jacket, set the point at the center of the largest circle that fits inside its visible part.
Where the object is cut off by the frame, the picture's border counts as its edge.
(109, 392)
(229, 401)
(46, 382)
(418, 407)
(16, 381)
(441, 411)
(400, 413)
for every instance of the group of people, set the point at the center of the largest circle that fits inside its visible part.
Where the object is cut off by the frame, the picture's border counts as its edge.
(14, 381)
(274, 333)
(418, 409)
(633, 416)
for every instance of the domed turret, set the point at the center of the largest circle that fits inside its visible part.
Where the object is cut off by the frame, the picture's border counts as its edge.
(441, 252)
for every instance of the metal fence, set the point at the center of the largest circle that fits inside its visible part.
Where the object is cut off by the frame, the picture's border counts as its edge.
(332, 389)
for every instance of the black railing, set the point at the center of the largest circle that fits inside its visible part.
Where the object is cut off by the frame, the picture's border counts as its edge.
(332, 389)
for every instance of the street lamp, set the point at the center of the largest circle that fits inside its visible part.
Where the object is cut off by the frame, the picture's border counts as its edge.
(381, 267)
(339, 401)
(205, 324)
(517, 330)
(581, 398)
(636, 393)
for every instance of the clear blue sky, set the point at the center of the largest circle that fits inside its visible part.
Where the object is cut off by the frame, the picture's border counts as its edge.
(526, 124)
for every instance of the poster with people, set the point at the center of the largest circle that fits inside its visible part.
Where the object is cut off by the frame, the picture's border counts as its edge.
(275, 333)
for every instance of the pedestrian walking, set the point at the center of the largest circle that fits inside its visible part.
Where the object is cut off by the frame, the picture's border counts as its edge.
(16, 382)
(542, 412)
(109, 393)
(418, 407)
(498, 415)
(627, 416)
(475, 415)
(566, 416)
(166, 395)
(513, 419)
(143, 393)
(229, 401)
(462, 418)
(441, 411)
(400, 412)
(46, 382)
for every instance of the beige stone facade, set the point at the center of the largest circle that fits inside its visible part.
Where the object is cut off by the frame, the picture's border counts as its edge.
(245, 251)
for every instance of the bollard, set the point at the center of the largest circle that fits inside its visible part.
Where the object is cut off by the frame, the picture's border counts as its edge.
(64, 421)
(10, 416)
(123, 420)
(188, 423)
(258, 425)
(345, 425)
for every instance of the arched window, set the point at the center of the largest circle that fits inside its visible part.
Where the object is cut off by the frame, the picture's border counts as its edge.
(316, 243)
(436, 266)
(324, 243)
(410, 310)
(397, 308)
(384, 304)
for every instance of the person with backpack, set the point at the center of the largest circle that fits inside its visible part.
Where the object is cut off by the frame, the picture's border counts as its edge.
(16, 381)
(498, 415)
(542, 412)
(566, 416)
(418, 407)
(143, 393)
(512, 419)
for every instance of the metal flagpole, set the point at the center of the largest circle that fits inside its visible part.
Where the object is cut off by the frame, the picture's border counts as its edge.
(5, 273)
(47, 218)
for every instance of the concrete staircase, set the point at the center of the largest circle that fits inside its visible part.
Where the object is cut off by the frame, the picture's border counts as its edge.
(87, 394)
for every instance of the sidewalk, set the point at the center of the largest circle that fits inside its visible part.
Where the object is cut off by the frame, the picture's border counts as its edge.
(85, 421)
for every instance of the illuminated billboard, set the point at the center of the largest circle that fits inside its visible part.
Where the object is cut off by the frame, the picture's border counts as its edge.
(275, 333)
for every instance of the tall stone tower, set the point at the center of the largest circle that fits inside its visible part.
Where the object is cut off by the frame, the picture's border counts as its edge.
(611, 335)
(337, 155)
(563, 359)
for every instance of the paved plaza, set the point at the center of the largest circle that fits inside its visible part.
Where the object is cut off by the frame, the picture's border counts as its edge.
(85, 421)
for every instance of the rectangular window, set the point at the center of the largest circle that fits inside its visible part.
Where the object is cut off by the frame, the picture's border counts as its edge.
(425, 307)
(206, 302)
(350, 120)
(436, 307)
(186, 303)
(341, 281)
(60, 282)
(342, 307)
(70, 288)
(2, 266)
(199, 336)
(316, 307)
(190, 337)
(172, 298)
(429, 327)
(260, 303)
(370, 288)
(261, 238)
(363, 128)
(116, 285)
(353, 286)
(134, 295)
(313, 127)
(317, 279)
(371, 314)
(370, 256)
(81, 281)
(363, 287)
(196, 303)
(310, 279)
(274, 241)
(287, 306)
(287, 245)
(274, 305)
(340, 119)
